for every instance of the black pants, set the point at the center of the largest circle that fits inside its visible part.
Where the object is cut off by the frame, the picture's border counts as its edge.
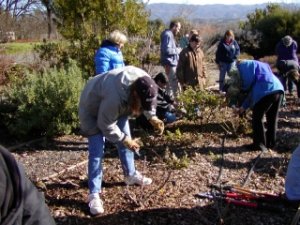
(269, 106)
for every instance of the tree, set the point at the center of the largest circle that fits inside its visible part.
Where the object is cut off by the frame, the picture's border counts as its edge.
(85, 23)
(48, 6)
(264, 28)
(17, 8)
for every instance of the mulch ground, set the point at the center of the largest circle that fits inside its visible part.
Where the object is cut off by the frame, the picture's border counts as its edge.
(183, 162)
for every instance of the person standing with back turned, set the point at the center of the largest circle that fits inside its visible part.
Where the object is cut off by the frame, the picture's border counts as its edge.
(170, 55)
(109, 55)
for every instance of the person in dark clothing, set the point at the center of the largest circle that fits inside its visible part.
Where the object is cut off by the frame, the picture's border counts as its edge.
(165, 109)
(227, 52)
(20, 201)
(290, 70)
(286, 49)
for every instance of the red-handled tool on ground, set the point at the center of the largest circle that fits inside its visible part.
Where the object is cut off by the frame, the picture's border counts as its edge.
(243, 197)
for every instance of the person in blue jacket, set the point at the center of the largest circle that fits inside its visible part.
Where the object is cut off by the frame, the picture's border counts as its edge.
(109, 55)
(227, 52)
(264, 95)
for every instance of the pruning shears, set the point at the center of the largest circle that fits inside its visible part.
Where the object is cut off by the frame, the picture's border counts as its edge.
(243, 197)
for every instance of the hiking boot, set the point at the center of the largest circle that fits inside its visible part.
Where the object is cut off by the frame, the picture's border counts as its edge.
(95, 204)
(138, 179)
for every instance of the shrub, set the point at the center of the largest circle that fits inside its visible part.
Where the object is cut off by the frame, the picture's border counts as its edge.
(54, 53)
(46, 103)
(200, 104)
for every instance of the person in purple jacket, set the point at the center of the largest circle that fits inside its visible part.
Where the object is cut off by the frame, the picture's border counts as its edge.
(286, 49)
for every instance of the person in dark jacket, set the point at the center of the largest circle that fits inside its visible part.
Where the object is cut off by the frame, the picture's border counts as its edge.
(190, 69)
(264, 95)
(290, 70)
(226, 55)
(286, 49)
(165, 109)
(109, 55)
(20, 202)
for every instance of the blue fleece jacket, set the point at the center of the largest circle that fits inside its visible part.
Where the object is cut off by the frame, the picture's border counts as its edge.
(108, 57)
(258, 80)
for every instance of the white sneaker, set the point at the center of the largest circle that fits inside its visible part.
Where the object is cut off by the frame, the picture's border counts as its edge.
(222, 93)
(95, 204)
(137, 178)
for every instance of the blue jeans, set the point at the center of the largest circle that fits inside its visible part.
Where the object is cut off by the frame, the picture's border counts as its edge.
(224, 68)
(96, 153)
(173, 87)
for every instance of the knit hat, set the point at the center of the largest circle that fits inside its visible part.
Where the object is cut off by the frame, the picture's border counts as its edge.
(287, 40)
(147, 90)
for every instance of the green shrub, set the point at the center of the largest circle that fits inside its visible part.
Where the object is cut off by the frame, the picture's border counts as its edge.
(200, 104)
(46, 103)
(54, 53)
(174, 162)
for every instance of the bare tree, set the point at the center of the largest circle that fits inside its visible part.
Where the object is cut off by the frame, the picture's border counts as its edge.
(17, 8)
(48, 5)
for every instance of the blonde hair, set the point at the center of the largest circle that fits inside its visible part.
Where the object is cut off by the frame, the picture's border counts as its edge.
(229, 33)
(117, 37)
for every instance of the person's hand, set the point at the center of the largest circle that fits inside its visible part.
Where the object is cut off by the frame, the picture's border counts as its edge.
(132, 144)
(157, 124)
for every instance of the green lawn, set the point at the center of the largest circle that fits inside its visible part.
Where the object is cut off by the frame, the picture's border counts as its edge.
(15, 47)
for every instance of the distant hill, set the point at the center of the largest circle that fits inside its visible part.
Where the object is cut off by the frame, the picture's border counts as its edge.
(215, 12)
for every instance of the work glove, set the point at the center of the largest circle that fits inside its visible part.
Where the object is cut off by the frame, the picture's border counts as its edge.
(157, 124)
(132, 144)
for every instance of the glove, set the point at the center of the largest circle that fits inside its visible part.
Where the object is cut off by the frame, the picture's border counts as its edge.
(131, 144)
(157, 124)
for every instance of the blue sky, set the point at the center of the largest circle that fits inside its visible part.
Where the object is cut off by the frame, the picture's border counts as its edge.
(204, 2)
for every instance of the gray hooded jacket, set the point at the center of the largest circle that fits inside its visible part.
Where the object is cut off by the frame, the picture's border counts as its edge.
(104, 99)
